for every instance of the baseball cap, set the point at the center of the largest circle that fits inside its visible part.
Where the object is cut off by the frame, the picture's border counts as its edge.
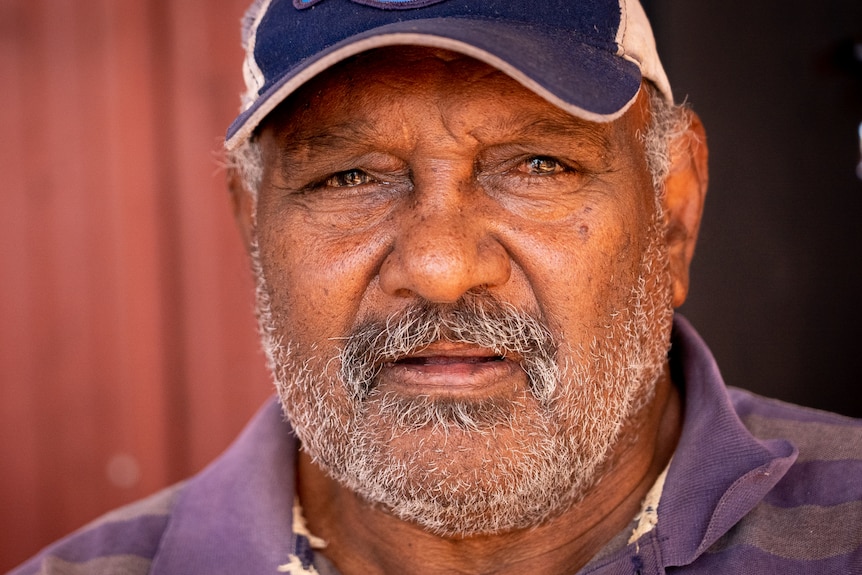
(588, 57)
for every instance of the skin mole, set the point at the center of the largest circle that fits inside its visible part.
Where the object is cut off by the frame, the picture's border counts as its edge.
(584, 232)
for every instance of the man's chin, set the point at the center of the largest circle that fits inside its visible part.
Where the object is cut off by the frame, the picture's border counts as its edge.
(470, 471)
(456, 496)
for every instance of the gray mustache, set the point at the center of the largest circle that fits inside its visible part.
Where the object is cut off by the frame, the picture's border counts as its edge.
(476, 319)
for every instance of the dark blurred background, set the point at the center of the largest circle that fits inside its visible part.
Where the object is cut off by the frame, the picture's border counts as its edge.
(777, 275)
(128, 355)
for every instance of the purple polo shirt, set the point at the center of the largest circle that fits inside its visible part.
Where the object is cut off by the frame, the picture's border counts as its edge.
(755, 486)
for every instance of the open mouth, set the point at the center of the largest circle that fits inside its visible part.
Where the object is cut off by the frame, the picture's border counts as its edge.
(448, 360)
(453, 370)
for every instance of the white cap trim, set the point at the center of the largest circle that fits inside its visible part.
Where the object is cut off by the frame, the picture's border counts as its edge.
(637, 44)
(251, 72)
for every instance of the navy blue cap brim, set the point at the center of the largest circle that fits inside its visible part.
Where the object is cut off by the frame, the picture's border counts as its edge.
(587, 81)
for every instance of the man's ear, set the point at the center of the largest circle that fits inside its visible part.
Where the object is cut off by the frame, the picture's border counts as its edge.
(685, 191)
(243, 202)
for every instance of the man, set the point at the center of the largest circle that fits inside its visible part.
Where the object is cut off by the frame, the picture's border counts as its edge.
(469, 224)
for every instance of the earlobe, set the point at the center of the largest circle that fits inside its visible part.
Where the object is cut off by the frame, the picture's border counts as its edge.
(243, 203)
(685, 192)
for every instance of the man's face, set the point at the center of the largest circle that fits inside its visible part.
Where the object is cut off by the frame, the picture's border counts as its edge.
(464, 291)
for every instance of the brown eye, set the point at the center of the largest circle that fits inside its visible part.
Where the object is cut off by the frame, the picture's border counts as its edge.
(348, 179)
(543, 165)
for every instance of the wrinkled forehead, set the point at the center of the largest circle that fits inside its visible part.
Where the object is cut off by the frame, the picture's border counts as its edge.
(431, 80)
(353, 82)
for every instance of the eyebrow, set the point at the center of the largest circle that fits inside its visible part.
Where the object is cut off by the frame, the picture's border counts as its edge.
(335, 137)
(569, 128)
(348, 135)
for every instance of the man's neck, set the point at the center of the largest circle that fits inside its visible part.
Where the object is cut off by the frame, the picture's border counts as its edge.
(365, 539)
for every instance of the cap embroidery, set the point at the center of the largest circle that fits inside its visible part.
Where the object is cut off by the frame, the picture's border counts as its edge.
(382, 4)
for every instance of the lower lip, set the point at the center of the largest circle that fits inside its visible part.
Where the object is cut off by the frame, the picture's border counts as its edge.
(451, 377)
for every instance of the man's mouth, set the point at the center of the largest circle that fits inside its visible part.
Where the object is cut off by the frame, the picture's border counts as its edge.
(447, 360)
(450, 369)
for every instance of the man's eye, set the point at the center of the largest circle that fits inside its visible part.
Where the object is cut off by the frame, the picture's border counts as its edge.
(348, 178)
(542, 166)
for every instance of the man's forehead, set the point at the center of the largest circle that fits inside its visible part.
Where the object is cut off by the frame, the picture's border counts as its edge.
(457, 81)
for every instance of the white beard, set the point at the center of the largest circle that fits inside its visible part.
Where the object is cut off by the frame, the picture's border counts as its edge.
(537, 455)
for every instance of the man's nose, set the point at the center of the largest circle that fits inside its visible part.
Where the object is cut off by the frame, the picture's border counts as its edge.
(443, 249)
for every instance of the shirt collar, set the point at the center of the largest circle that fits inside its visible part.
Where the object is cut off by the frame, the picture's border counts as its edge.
(719, 471)
(235, 516)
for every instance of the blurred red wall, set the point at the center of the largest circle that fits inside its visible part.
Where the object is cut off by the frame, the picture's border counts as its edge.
(128, 357)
